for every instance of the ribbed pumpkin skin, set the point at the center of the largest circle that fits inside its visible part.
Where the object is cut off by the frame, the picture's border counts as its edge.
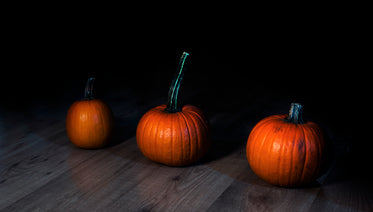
(89, 123)
(174, 139)
(284, 153)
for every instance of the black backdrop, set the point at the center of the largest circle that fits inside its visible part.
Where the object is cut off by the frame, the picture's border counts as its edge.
(325, 74)
(321, 69)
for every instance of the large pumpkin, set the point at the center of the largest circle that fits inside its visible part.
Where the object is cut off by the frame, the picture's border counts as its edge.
(286, 151)
(89, 122)
(171, 134)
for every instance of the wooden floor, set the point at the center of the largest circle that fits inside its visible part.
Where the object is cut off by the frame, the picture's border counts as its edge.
(40, 170)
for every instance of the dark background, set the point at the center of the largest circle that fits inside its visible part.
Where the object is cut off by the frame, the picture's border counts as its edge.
(256, 69)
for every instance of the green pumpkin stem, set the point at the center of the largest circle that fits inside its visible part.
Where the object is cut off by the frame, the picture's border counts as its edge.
(296, 113)
(88, 92)
(173, 104)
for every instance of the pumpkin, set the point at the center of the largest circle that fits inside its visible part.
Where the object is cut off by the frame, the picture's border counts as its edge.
(89, 122)
(171, 134)
(286, 151)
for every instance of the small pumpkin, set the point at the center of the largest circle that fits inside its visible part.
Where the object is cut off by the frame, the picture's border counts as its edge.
(286, 151)
(90, 121)
(171, 134)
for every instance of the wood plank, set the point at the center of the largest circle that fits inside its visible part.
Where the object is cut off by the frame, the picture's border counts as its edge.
(346, 195)
(35, 165)
(180, 189)
(122, 178)
(78, 182)
(32, 137)
(249, 193)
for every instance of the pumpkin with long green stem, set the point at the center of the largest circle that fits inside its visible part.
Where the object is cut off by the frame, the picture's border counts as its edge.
(172, 134)
(90, 121)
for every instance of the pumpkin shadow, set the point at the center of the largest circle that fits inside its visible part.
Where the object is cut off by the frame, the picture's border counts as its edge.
(348, 163)
(221, 148)
(348, 177)
(328, 156)
(348, 181)
(123, 130)
(127, 110)
(228, 138)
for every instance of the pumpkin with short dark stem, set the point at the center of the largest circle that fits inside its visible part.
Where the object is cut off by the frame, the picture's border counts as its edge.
(171, 134)
(286, 151)
(90, 121)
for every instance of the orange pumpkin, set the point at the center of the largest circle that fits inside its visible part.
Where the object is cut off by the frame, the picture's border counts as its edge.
(286, 151)
(171, 134)
(89, 122)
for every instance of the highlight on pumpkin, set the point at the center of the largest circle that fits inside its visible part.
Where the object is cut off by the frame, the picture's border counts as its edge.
(89, 122)
(286, 151)
(172, 134)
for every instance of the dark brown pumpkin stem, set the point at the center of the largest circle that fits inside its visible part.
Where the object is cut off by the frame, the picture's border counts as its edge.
(173, 104)
(88, 92)
(296, 113)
